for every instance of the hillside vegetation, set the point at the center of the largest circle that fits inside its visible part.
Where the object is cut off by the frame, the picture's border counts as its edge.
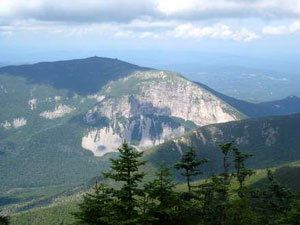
(272, 141)
(60, 212)
(81, 76)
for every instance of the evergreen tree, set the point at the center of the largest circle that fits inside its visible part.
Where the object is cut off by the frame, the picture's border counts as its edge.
(161, 192)
(226, 148)
(240, 212)
(241, 172)
(125, 170)
(216, 199)
(273, 202)
(92, 209)
(214, 203)
(189, 163)
(4, 220)
(215, 194)
(293, 214)
(146, 204)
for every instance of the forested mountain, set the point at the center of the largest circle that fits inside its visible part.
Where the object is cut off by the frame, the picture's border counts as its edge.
(52, 113)
(271, 140)
(80, 76)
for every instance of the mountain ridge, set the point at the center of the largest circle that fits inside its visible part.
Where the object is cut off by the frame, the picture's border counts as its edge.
(272, 140)
(97, 72)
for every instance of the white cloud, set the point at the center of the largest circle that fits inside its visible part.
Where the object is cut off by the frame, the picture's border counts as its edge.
(190, 31)
(219, 31)
(274, 30)
(132, 31)
(76, 10)
(294, 27)
(149, 35)
(124, 34)
(129, 10)
(132, 34)
(282, 30)
(156, 19)
(212, 9)
(149, 24)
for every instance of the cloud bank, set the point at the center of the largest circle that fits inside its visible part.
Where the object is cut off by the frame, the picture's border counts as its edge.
(127, 10)
(155, 19)
(282, 30)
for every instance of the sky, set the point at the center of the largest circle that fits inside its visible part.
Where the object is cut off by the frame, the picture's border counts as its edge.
(37, 30)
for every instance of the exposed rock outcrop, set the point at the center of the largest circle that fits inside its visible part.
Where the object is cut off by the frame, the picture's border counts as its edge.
(59, 111)
(16, 123)
(19, 122)
(130, 104)
(32, 103)
(141, 132)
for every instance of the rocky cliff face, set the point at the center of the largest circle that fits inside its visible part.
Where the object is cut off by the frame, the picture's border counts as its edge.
(141, 132)
(150, 107)
(167, 94)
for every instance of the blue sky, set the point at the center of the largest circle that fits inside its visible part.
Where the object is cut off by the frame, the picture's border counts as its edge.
(36, 30)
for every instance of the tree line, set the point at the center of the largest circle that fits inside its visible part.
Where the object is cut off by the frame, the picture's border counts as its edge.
(222, 199)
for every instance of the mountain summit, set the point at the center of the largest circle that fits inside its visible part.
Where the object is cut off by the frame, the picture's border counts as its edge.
(82, 76)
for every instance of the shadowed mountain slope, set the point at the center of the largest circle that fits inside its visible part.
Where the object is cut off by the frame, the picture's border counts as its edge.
(272, 141)
(83, 76)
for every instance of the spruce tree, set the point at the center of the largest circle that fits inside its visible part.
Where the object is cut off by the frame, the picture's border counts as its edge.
(216, 191)
(125, 171)
(241, 172)
(164, 209)
(273, 202)
(92, 209)
(190, 163)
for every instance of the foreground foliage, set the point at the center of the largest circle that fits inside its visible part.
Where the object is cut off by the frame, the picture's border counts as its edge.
(133, 202)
